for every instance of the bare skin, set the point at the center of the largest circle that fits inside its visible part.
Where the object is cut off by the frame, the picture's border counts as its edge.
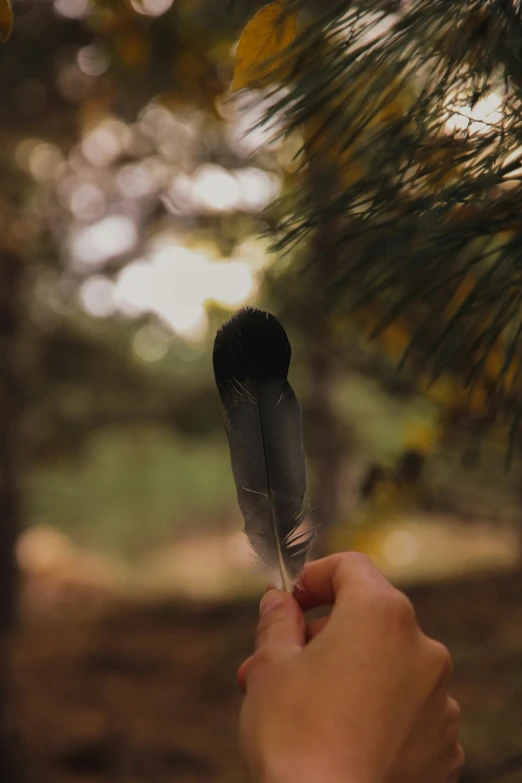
(358, 697)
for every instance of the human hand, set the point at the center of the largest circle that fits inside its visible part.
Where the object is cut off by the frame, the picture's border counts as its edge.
(364, 700)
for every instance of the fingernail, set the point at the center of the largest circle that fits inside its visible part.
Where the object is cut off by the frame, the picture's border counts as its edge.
(269, 601)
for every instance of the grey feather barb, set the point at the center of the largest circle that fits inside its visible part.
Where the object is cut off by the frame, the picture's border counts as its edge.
(263, 424)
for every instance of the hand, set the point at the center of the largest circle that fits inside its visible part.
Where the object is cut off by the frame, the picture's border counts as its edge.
(358, 697)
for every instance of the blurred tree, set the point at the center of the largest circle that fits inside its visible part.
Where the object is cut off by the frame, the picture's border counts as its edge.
(117, 144)
(119, 157)
(10, 507)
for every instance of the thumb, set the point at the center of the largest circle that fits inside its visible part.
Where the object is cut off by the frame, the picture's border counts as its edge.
(281, 621)
(281, 632)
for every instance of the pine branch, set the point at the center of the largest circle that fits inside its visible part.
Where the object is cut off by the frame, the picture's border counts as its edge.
(424, 195)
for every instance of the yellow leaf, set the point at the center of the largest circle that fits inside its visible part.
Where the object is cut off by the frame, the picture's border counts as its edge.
(262, 45)
(6, 20)
(395, 339)
(421, 437)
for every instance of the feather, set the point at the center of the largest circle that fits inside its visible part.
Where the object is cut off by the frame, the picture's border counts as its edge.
(263, 423)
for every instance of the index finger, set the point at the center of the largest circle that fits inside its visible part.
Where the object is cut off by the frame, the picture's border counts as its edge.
(327, 581)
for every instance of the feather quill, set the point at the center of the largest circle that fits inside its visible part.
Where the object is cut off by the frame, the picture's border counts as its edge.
(263, 423)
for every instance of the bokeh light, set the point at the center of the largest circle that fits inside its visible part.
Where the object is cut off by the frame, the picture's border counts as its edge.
(175, 284)
(87, 201)
(106, 142)
(94, 59)
(112, 236)
(479, 119)
(149, 344)
(72, 9)
(151, 7)
(97, 296)
(216, 189)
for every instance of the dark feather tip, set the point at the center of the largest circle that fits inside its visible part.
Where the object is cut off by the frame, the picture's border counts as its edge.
(252, 345)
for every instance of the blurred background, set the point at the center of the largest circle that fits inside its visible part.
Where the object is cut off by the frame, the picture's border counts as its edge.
(133, 221)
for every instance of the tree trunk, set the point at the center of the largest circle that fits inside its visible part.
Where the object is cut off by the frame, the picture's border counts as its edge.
(10, 280)
(328, 443)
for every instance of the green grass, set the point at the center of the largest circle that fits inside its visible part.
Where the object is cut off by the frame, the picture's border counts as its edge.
(136, 489)
(133, 490)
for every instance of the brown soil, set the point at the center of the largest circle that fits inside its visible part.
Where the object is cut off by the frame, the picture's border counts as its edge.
(147, 693)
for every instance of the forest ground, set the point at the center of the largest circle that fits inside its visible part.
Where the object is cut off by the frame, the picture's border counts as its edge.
(146, 692)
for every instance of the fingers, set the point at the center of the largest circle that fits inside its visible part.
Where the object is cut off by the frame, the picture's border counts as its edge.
(451, 762)
(443, 734)
(454, 710)
(440, 664)
(242, 673)
(324, 581)
(312, 629)
(458, 761)
(322, 584)
(455, 755)
(319, 583)
(448, 767)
